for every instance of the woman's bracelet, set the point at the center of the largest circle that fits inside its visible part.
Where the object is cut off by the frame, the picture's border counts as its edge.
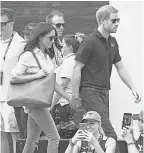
(71, 143)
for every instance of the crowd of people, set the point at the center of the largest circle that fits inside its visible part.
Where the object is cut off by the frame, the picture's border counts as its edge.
(82, 65)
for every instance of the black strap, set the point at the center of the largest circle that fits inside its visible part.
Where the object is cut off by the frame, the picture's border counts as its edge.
(8, 47)
(35, 57)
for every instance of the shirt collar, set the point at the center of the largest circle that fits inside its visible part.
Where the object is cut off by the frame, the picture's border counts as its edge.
(98, 34)
(69, 55)
(6, 41)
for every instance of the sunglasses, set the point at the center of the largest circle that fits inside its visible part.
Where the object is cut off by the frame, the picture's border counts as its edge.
(115, 20)
(5, 23)
(58, 25)
(51, 38)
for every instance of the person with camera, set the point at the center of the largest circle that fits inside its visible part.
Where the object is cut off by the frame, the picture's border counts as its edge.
(127, 134)
(91, 139)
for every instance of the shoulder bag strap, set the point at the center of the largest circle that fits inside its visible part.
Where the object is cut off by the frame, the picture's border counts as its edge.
(35, 57)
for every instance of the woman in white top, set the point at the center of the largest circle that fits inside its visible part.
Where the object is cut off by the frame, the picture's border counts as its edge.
(41, 39)
(63, 76)
(91, 139)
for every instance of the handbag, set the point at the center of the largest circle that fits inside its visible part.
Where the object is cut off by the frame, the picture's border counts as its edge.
(36, 93)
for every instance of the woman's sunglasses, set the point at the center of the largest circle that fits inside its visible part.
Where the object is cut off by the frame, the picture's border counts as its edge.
(4, 23)
(51, 38)
(58, 25)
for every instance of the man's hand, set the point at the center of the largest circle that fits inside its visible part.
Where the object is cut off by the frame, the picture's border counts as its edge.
(137, 96)
(76, 102)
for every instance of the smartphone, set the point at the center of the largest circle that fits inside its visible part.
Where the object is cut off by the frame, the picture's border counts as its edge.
(127, 120)
(82, 126)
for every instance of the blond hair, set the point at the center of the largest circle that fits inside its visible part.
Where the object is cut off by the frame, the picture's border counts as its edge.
(104, 13)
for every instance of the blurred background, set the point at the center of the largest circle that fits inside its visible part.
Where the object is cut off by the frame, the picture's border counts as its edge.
(79, 15)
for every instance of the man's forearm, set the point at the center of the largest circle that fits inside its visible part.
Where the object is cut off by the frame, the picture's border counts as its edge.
(75, 85)
(125, 77)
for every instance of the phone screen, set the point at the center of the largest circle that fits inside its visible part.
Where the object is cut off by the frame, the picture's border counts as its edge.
(127, 120)
(82, 126)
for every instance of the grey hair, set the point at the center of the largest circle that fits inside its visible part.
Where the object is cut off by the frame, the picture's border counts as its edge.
(104, 13)
(52, 14)
(9, 13)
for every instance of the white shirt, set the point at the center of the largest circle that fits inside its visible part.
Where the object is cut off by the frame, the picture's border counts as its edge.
(15, 49)
(65, 70)
(31, 65)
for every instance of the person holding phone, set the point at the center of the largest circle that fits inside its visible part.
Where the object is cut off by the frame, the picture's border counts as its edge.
(90, 138)
(127, 133)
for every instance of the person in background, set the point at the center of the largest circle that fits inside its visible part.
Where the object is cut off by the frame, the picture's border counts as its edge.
(63, 76)
(12, 45)
(80, 37)
(127, 134)
(41, 39)
(28, 28)
(93, 139)
(93, 66)
(56, 19)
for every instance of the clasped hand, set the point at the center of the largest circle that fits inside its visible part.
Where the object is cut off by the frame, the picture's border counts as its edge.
(75, 103)
(42, 73)
(84, 135)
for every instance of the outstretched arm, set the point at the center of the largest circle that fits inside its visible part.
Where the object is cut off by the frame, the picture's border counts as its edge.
(125, 77)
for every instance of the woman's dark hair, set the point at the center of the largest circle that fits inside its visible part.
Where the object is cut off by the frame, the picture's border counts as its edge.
(40, 30)
(70, 40)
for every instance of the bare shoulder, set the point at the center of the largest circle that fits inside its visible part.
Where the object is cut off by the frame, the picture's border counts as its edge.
(110, 142)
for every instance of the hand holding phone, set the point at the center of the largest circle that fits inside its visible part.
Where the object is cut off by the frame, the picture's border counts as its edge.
(82, 126)
(127, 120)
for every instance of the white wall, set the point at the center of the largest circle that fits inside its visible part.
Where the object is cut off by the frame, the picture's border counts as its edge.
(129, 37)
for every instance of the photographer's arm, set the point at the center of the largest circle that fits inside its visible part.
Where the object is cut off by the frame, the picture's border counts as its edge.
(129, 138)
(132, 149)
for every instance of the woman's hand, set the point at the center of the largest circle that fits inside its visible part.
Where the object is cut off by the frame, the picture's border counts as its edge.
(90, 138)
(42, 73)
(79, 136)
(127, 134)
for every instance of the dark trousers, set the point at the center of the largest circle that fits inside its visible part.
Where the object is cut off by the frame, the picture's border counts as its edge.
(21, 118)
(98, 100)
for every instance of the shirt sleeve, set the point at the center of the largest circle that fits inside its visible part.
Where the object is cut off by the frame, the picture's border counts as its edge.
(67, 69)
(117, 57)
(22, 64)
(84, 51)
